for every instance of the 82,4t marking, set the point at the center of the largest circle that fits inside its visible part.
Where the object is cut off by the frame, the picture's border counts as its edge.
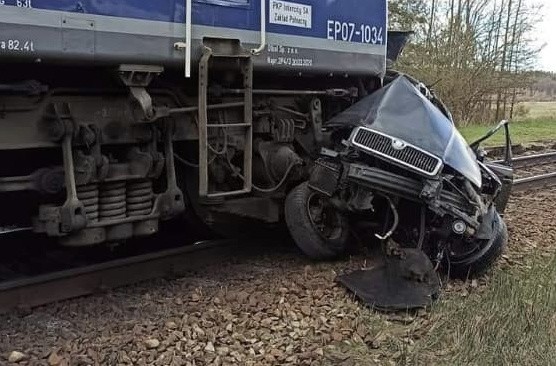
(17, 45)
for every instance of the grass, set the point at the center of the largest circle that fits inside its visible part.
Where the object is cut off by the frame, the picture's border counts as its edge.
(522, 132)
(512, 323)
(537, 122)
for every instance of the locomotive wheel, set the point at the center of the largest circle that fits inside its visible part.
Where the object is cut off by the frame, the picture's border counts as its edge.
(482, 256)
(316, 226)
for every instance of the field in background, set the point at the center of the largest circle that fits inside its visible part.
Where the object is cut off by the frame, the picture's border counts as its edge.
(538, 110)
(537, 122)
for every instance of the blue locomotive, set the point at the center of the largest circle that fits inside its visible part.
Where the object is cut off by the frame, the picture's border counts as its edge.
(111, 90)
(344, 37)
(116, 115)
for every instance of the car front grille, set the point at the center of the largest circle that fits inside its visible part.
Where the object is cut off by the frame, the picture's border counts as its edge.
(396, 150)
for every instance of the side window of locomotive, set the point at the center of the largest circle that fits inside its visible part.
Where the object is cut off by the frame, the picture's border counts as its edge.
(233, 3)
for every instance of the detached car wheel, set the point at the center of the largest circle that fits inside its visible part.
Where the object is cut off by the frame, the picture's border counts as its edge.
(482, 256)
(315, 225)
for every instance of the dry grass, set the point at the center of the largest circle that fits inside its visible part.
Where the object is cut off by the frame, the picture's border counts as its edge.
(539, 110)
(512, 321)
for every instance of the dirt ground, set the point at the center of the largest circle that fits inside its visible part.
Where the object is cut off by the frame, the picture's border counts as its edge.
(274, 310)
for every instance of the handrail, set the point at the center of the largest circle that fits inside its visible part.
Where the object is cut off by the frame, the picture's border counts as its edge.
(187, 44)
(188, 38)
(261, 47)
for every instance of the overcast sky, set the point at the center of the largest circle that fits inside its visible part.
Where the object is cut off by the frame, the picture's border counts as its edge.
(547, 35)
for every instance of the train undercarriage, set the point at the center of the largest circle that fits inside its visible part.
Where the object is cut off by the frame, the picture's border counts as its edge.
(108, 162)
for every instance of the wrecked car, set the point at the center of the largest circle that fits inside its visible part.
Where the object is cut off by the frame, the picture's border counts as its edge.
(397, 163)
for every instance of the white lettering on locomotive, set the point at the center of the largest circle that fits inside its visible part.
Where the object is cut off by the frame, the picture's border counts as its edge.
(292, 14)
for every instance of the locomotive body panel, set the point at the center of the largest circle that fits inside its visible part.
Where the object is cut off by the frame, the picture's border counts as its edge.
(310, 36)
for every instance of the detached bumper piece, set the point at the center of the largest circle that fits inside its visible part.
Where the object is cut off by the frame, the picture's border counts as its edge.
(401, 282)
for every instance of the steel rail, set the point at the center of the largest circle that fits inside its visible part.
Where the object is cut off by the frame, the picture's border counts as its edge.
(14, 229)
(534, 182)
(531, 160)
(27, 293)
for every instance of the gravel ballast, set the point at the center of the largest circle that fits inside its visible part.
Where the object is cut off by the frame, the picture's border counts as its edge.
(269, 310)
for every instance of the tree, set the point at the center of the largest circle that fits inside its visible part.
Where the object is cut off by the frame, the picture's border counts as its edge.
(476, 52)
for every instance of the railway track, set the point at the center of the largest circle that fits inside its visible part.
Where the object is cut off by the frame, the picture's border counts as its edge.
(26, 293)
(36, 290)
(534, 182)
(532, 160)
(544, 179)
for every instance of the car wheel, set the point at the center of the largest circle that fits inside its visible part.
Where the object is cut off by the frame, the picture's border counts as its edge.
(315, 225)
(482, 256)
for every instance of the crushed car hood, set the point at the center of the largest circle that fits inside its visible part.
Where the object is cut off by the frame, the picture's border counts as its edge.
(400, 110)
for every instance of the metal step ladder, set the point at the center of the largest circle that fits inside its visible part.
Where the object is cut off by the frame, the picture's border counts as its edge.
(227, 52)
(233, 52)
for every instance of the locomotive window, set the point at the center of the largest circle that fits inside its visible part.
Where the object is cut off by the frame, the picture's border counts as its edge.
(235, 3)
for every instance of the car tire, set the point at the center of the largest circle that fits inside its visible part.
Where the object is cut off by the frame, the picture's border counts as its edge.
(317, 244)
(480, 261)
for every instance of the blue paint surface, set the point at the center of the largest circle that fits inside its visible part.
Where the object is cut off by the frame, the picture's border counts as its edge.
(239, 14)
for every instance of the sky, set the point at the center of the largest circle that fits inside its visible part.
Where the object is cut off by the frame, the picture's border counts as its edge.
(546, 35)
